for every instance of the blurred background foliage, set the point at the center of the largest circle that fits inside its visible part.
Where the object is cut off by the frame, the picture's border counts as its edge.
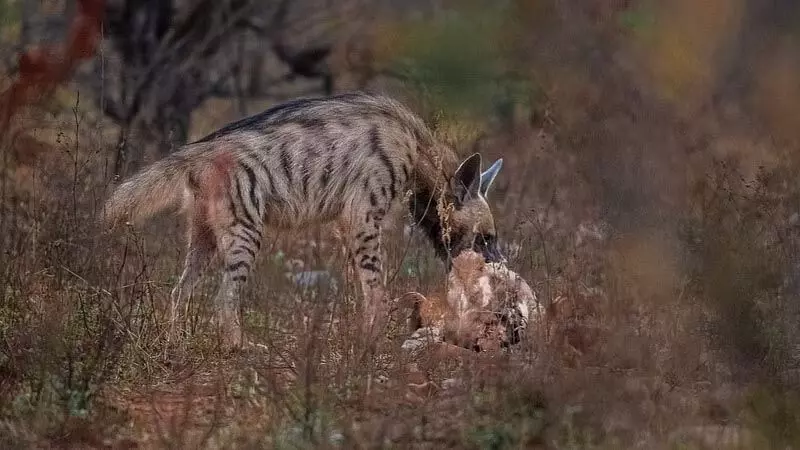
(9, 13)
(464, 61)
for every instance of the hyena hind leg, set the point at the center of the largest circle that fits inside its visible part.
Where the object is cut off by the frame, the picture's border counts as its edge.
(201, 250)
(239, 246)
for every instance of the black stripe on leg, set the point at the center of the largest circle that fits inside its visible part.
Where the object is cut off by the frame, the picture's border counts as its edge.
(372, 258)
(253, 232)
(366, 239)
(238, 265)
(370, 262)
(240, 250)
(247, 238)
(370, 266)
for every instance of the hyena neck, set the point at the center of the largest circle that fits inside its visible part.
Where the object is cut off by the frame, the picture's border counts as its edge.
(425, 205)
(432, 175)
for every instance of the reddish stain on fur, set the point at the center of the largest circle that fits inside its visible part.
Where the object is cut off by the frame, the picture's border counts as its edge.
(217, 176)
(211, 202)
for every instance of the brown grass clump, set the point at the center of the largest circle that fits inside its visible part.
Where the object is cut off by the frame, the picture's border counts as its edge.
(574, 327)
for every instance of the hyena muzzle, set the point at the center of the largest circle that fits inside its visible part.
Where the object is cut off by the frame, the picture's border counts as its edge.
(348, 159)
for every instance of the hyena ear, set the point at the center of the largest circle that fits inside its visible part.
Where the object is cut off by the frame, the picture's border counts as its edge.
(468, 178)
(488, 176)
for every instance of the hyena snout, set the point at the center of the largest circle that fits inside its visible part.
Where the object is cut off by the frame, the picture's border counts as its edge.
(492, 254)
(486, 245)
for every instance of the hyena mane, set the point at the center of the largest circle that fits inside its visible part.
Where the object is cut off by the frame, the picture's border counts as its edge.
(347, 158)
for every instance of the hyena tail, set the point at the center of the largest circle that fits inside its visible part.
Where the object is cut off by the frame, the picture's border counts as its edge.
(158, 187)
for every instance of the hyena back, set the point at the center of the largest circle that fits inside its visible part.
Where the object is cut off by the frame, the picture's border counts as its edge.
(348, 158)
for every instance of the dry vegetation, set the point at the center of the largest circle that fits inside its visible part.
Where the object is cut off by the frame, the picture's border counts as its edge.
(648, 196)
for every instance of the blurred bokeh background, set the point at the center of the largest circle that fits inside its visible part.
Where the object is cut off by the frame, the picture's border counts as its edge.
(651, 152)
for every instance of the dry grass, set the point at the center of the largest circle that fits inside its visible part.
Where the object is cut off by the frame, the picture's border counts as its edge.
(631, 360)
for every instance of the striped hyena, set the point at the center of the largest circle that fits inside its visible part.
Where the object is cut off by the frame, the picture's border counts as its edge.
(348, 158)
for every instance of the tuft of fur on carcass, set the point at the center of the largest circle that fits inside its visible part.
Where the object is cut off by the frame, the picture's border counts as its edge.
(487, 305)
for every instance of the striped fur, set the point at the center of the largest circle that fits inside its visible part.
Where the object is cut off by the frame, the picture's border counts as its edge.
(348, 159)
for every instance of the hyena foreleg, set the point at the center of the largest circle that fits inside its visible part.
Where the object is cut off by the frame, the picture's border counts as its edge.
(367, 256)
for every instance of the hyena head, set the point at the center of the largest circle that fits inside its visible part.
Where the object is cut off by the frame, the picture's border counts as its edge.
(471, 224)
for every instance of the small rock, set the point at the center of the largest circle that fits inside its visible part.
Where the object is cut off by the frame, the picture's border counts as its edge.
(310, 279)
(422, 337)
